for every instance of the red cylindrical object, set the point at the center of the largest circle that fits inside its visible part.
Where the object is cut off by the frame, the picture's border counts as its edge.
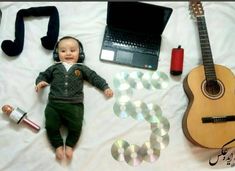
(177, 60)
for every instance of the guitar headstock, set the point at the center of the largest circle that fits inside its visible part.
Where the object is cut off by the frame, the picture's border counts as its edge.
(196, 9)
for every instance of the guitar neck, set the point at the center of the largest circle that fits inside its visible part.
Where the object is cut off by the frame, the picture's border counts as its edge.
(206, 49)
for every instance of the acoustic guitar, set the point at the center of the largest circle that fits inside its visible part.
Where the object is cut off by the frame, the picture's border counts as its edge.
(209, 120)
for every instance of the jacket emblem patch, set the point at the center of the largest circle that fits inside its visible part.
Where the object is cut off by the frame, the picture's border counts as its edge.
(77, 73)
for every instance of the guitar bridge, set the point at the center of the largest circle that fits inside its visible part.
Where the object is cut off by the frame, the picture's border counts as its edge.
(218, 119)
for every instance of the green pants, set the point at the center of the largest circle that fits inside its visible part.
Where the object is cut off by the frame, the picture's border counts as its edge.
(69, 115)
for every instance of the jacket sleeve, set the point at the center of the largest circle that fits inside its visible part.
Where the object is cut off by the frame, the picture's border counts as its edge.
(45, 76)
(93, 78)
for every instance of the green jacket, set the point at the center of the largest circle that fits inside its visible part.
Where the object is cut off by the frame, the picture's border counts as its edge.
(67, 86)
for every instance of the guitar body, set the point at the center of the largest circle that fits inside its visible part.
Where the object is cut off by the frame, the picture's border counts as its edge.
(202, 104)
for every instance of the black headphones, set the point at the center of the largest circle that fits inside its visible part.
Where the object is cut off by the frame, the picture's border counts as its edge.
(81, 51)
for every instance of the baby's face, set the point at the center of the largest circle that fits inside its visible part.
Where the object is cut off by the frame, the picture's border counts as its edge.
(68, 50)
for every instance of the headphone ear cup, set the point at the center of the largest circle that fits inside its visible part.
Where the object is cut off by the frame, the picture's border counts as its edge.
(56, 56)
(55, 53)
(81, 57)
(81, 53)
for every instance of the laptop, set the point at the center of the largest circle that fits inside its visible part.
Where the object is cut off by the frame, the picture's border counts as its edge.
(133, 33)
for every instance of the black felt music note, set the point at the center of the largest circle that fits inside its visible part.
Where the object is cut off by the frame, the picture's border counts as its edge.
(14, 48)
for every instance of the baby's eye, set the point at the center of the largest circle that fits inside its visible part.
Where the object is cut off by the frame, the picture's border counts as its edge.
(72, 50)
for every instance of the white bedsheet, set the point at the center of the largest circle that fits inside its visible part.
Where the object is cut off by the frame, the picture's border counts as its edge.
(23, 150)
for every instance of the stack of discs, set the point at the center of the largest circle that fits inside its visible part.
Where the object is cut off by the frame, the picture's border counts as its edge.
(118, 148)
(123, 91)
(135, 80)
(121, 150)
(123, 109)
(132, 155)
(161, 127)
(146, 80)
(159, 137)
(154, 113)
(141, 110)
(159, 142)
(139, 80)
(159, 80)
(148, 153)
(120, 80)
(123, 95)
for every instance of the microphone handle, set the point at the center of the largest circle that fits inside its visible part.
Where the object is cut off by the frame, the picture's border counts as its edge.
(31, 124)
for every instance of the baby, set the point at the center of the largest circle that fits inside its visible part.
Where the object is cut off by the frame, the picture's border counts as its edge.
(65, 100)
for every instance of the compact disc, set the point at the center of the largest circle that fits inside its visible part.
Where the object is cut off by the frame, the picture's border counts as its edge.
(123, 95)
(159, 142)
(161, 127)
(159, 80)
(132, 155)
(120, 80)
(148, 153)
(123, 109)
(146, 80)
(154, 113)
(141, 110)
(135, 80)
(118, 148)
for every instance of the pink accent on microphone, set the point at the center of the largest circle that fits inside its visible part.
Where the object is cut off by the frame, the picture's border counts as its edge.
(31, 124)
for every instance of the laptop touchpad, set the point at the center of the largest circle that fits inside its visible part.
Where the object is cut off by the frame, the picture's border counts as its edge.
(145, 60)
(124, 57)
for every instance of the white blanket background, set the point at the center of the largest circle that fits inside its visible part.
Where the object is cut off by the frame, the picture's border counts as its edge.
(23, 150)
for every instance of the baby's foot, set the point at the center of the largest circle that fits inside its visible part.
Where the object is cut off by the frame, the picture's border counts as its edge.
(69, 152)
(59, 153)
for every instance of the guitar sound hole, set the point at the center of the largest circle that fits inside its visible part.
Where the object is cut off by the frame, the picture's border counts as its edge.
(213, 89)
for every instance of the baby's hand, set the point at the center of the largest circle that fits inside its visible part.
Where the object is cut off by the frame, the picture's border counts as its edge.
(108, 92)
(41, 85)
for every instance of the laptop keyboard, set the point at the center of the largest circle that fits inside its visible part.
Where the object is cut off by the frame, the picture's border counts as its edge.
(128, 41)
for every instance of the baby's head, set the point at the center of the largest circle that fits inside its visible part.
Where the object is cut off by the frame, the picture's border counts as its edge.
(68, 49)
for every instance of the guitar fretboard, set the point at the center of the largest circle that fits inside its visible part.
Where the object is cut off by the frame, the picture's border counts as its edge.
(206, 50)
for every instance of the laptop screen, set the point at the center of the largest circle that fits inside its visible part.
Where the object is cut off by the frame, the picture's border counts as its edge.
(138, 17)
